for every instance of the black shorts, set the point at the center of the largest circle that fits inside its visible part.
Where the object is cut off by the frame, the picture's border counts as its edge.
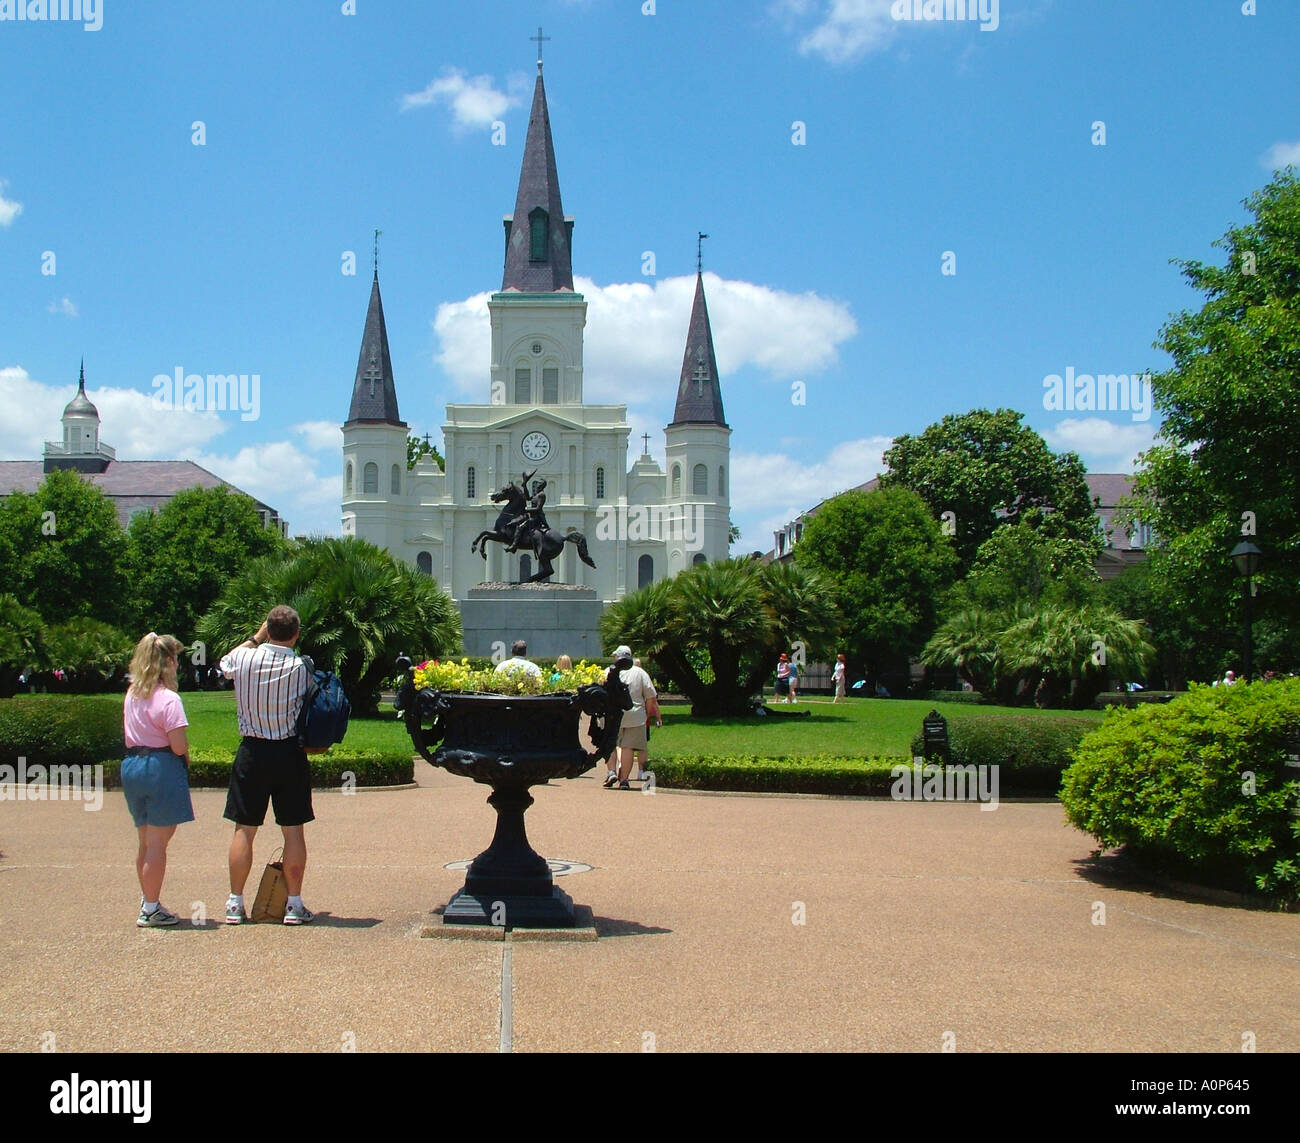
(783, 686)
(269, 771)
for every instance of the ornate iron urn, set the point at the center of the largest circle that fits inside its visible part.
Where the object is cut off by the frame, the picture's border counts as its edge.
(512, 742)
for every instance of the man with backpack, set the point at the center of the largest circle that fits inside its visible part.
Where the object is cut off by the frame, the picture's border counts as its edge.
(271, 685)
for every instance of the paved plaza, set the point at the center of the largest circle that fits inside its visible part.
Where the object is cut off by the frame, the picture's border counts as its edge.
(922, 922)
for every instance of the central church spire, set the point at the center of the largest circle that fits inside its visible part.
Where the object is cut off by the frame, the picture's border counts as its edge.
(538, 234)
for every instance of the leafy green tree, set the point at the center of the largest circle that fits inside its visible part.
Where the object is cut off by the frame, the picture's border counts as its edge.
(989, 471)
(888, 563)
(417, 447)
(969, 640)
(734, 615)
(360, 608)
(180, 558)
(1225, 463)
(93, 656)
(1021, 563)
(22, 643)
(65, 549)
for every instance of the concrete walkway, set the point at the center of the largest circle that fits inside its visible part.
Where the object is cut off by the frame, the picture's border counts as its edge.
(921, 921)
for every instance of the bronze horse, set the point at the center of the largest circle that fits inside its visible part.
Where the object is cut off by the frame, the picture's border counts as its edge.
(546, 544)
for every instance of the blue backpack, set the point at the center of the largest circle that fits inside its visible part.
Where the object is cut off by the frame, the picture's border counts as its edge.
(325, 709)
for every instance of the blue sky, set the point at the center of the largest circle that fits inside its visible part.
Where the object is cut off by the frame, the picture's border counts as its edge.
(824, 265)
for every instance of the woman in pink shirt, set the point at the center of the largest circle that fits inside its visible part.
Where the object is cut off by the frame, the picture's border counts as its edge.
(155, 777)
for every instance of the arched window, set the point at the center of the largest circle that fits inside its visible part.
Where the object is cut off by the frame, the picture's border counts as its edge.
(397, 481)
(700, 480)
(525, 567)
(645, 571)
(538, 234)
(523, 386)
(677, 481)
(722, 481)
(370, 480)
(347, 480)
(700, 558)
(550, 386)
(424, 563)
(469, 483)
(600, 483)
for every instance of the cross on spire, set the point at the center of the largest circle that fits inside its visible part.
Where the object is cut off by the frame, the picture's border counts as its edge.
(699, 252)
(701, 373)
(645, 444)
(372, 374)
(377, 234)
(539, 39)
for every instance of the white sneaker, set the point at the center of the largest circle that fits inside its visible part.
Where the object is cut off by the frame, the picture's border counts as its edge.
(298, 915)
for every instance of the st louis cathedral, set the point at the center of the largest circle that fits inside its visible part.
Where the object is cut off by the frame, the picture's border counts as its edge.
(641, 523)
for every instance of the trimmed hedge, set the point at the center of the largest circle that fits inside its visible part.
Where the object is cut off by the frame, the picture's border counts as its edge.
(805, 774)
(1198, 787)
(802, 774)
(1032, 752)
(55, 730)
(211, 768)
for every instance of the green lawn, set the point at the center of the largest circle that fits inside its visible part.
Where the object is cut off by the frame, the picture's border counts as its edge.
(212, 724)
(853, 729)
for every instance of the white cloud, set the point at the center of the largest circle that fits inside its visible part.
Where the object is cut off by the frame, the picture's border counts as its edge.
(129, 420)
(757, 479)
(63, 306)
(636, 334)
(473, 100)
(848, 30)
(1102, 445)
(321, 436)
(1281, 155)
(280, 474)
(9, 209)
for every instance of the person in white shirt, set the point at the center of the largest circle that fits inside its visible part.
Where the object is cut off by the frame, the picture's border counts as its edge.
(837, 676)
(518, 663)
(632, 740)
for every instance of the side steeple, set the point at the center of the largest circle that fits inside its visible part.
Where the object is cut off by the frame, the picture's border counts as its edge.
(374, 395)
(699, 395)
(538, 235)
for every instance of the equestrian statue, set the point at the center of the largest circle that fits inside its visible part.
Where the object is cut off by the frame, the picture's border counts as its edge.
(522, 524)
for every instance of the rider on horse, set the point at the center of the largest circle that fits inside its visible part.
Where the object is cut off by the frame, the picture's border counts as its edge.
(533, 518)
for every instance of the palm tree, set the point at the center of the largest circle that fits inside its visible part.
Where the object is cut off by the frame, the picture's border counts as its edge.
(968, 641)
(22, 643)
(736, 614)
(359, 606)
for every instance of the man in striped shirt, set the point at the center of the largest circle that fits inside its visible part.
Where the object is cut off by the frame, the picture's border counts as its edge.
(271, 682)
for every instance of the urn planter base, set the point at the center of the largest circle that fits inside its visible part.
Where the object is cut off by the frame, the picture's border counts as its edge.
(554, 911)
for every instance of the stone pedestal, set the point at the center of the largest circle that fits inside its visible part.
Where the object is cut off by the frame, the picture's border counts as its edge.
(552, 618)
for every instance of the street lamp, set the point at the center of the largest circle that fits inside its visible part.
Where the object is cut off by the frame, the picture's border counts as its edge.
(1245, 558)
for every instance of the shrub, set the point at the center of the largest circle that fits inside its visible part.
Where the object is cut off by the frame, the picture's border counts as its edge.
(1132, 698)
(973, 697)
(22, 643)
(210, 768)
(1171, 784)
(1031, 751)
(57, 730)
(806, 774)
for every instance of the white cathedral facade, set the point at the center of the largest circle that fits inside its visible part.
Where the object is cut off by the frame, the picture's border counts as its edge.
(641, 523)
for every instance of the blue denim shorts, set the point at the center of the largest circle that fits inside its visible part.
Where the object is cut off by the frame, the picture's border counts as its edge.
(157, 788)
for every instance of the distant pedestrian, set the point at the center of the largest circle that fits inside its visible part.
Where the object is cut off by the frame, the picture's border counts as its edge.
(794, 681)
(562, 664)
(155, 771)
(632, 740)
(518, 661)
(837, 676)
(1230, 679)
(783, 677)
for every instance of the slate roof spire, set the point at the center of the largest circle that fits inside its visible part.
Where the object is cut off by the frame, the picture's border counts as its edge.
(374, 395)
(81, 403)
(699, 394)
(538, 236)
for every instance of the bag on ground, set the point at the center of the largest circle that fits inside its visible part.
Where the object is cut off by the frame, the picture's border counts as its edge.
(272, 895)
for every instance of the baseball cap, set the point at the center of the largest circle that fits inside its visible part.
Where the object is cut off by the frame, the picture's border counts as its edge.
(623, 651)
